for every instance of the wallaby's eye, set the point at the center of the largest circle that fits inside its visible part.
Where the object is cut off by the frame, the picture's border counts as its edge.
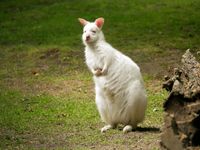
(93, 31)
(84, 31)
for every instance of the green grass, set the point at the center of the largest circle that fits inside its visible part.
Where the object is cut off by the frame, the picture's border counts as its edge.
(46, 91)
(164, 24)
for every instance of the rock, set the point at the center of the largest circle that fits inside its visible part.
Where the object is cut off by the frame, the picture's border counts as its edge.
(182, 108)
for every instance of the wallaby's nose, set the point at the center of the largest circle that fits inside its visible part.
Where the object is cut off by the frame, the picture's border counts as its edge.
(87, 38)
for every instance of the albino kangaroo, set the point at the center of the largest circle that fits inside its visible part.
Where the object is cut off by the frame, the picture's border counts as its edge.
(120, 93)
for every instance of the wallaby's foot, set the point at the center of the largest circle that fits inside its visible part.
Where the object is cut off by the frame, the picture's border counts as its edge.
(127, 128)
(105, 128)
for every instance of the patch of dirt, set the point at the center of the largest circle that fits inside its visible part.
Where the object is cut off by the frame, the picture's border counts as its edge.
(59, 88)
(51, 53)
(51, 62)
(140, 139)
(154, 85)
(156, 64)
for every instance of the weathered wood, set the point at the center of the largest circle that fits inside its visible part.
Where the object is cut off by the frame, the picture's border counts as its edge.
(182, 108)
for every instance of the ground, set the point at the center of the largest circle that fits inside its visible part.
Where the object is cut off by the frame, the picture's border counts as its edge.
(59, 111)
(46, 91)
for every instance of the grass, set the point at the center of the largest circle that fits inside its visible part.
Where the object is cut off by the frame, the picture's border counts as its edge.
(159, 23)
(46, 91)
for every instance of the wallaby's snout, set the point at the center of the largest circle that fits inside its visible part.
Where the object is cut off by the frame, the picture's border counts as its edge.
(87, 37)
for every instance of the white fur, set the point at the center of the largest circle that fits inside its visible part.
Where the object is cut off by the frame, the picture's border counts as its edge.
(120, 93)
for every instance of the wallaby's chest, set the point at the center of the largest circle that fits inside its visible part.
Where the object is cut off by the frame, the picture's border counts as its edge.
(95, 59)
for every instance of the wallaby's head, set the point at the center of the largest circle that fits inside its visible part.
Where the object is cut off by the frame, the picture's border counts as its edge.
(92, 30)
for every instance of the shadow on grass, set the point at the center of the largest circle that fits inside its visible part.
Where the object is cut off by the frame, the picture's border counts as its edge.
(148, 129)
(143, 129)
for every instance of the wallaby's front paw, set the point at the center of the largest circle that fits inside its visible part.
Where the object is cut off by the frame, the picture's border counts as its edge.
(98, 72)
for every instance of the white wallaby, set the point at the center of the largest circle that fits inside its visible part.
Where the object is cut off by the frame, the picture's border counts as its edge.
(120, 93)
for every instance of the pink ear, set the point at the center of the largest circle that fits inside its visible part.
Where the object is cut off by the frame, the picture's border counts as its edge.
(99, 22)
(83, 21)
